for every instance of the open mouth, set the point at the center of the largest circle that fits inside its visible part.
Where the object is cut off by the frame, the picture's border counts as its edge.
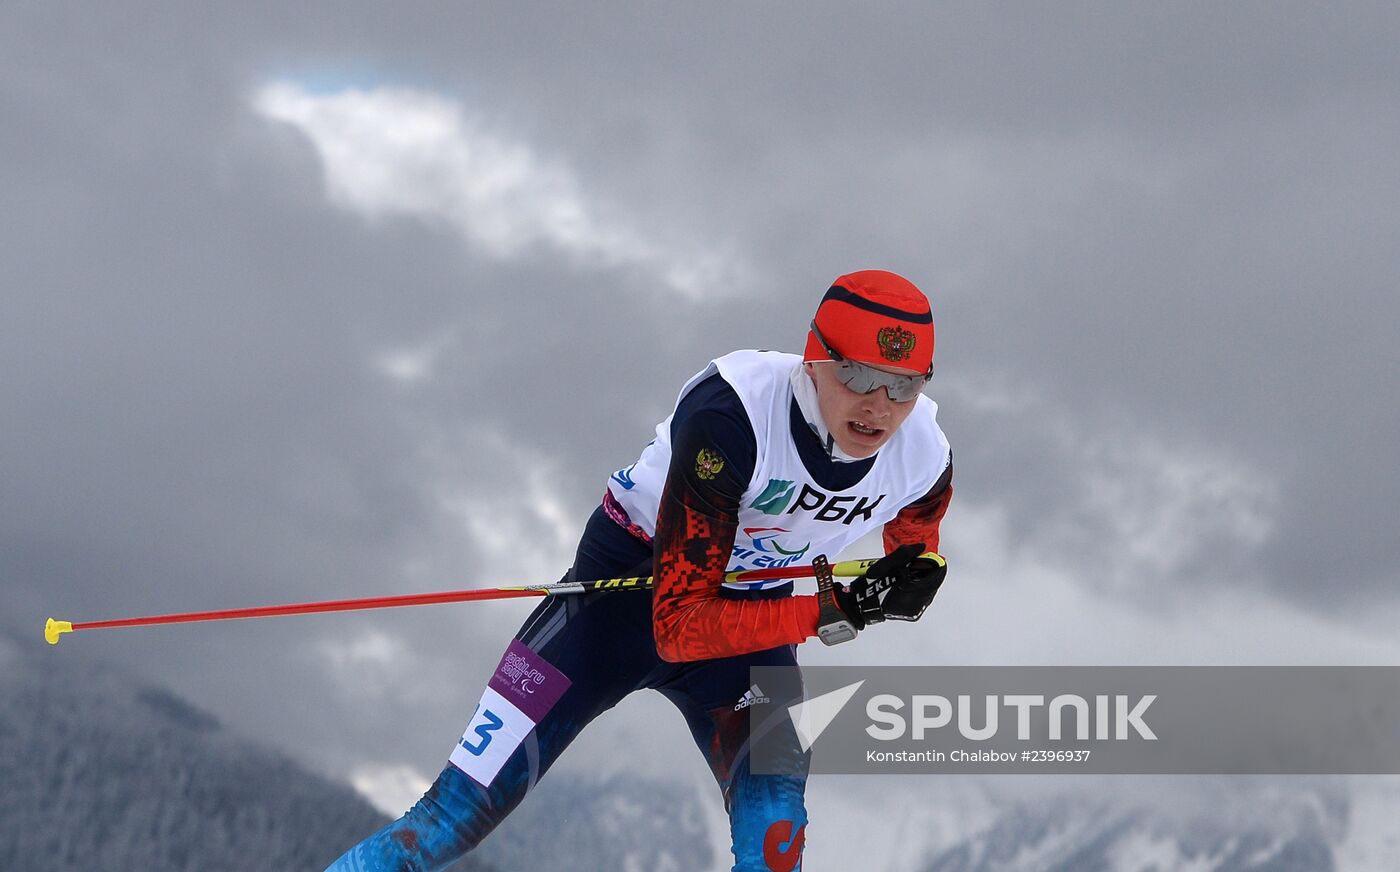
(864, 430)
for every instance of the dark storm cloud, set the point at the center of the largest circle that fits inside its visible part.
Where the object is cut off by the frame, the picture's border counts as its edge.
(1162, 222)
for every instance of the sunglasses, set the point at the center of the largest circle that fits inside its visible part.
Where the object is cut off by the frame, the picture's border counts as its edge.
(863, 379)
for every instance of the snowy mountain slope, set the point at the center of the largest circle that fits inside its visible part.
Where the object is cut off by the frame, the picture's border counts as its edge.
(99, 771)
(1120, 824)
(102, 773)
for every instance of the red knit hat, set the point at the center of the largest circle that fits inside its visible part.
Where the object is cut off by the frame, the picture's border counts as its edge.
(874, 316)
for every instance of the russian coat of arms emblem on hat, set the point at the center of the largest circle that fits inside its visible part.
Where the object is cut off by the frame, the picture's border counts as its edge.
(895, 343)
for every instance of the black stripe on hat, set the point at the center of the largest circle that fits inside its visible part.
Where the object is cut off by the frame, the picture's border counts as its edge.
(840, 294)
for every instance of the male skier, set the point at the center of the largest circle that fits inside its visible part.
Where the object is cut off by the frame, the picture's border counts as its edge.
(768, 459)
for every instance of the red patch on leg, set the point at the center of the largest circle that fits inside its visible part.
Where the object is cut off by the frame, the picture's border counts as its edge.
(408, 839)
(778, 858)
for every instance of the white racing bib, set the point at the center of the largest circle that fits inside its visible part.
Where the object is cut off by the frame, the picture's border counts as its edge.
(785, 516)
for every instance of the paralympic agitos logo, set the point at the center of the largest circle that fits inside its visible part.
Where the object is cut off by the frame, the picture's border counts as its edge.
(777, 496)
(765, 539)
(762, 549)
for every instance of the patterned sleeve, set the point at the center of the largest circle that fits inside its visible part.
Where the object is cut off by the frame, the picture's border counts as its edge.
(712, 459)
(918, 521)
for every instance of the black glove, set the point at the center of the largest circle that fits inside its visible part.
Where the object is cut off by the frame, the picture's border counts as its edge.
(898, 586)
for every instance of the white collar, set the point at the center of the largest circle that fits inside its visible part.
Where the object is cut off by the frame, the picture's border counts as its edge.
(806, 393)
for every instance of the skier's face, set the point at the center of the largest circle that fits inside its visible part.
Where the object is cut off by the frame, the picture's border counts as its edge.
(860, 423)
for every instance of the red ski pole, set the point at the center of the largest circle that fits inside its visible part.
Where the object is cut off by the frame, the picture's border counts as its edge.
(53, 629)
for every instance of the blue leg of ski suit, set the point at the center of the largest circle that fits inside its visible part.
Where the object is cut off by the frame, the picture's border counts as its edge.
(603, 644)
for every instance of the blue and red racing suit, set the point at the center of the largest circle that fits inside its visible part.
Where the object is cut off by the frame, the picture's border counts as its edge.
(693, 640)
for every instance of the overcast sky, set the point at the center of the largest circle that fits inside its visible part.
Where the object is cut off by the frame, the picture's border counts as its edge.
(359, 299)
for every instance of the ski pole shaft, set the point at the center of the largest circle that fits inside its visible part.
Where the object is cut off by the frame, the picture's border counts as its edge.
(53, 629)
